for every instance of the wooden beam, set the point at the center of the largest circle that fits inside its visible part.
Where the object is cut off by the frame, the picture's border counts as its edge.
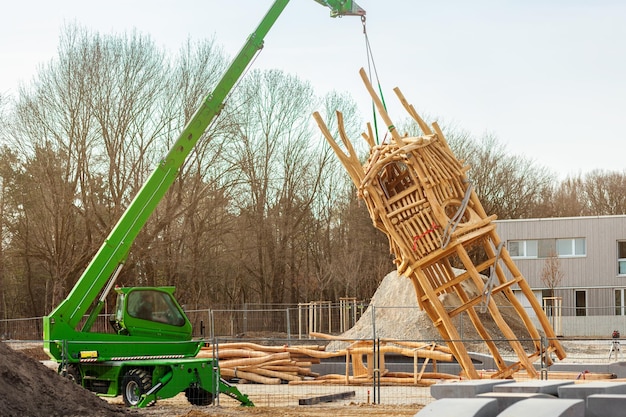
(326, 398)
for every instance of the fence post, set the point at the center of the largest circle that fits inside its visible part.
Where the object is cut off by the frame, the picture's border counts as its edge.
(299, 321)
(288, 327)
(373, 322)
(312, 326)
(374, 370)
(245, 318)
(216, 372)
(64, 358)
(544, 370)
(374, 358)
(330, 315)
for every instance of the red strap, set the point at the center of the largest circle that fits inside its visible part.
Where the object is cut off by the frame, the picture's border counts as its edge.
(433, 227)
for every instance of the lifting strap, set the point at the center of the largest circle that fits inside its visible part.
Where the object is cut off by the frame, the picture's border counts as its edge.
(371, 64)
(456, 219)
(491, 281)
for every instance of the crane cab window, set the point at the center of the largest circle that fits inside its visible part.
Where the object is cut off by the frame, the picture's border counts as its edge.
(154, 306)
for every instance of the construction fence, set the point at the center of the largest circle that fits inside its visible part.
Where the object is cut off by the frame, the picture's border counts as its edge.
(293, 367)
(298, 322)
(292, 372)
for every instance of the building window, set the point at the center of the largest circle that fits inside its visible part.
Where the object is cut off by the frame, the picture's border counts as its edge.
(522, 248)
(571, 247)
(581, 303)
(621, 258)
(546, 248)
(619, 302)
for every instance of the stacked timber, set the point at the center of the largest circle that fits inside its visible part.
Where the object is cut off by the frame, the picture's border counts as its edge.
(270, 365)
(273, 365)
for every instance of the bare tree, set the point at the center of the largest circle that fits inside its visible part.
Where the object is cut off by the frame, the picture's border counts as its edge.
(168, 252)
(85, 128)
(7, 174)
(123, 79)
(565, 200)
(598, 193)
(3, 212)
(281, 175)
(362, 256)
(507, 185)
(551, 274)
(605, 193)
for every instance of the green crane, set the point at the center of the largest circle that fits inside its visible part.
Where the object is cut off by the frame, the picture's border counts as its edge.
(149, 319)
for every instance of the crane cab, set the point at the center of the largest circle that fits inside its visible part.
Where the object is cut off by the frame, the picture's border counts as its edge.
(150, 311)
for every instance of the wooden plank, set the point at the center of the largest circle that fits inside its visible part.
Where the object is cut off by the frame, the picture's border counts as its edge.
(381, 108)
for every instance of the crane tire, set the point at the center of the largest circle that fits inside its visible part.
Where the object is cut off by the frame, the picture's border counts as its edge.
(136, 382)
(198, 396)
(73, 374)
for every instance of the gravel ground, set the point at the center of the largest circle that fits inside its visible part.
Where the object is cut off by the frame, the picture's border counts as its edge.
(178, 406)
(270, 400)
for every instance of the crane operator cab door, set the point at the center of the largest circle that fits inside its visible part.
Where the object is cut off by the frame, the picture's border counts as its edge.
(150, 311)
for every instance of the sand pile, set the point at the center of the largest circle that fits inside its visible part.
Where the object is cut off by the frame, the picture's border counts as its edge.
(28, 388)
(395, 314)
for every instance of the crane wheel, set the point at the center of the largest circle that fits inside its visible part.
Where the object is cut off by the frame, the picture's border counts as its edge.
(73, 374)
(136, 382)
(198, 396)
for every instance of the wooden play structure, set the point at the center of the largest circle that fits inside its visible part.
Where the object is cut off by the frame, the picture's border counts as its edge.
(417, 192)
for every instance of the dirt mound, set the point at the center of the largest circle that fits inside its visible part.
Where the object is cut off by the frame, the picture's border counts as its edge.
(28, 388)
(395, 314)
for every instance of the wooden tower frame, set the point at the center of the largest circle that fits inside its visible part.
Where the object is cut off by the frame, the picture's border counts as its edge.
(417, 192)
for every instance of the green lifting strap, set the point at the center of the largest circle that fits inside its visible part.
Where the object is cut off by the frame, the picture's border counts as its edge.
(370, 64)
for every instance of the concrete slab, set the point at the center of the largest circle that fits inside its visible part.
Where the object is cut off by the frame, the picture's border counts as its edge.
(583, 390)
(550, 387)
(465, 389)
(545, 407)
(606, 405)
(460, 407)
(507, 399)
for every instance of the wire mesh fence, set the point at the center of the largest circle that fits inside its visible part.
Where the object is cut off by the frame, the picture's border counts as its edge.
(299, 321)
(319, 369)
(372, 375)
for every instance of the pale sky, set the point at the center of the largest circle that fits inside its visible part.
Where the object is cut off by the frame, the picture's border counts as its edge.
(547, 78)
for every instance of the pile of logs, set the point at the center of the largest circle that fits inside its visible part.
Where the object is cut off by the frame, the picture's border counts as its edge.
(292, 364)
(265, 364)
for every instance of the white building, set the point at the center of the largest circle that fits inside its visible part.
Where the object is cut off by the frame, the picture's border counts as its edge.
(590, 254)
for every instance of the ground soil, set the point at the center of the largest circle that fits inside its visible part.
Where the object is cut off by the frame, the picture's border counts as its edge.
(343, 411)
(28, 388)
(354, 410)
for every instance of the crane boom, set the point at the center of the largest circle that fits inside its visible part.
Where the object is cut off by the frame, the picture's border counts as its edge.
(152, 353)
(342, 8)
(100, 274)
